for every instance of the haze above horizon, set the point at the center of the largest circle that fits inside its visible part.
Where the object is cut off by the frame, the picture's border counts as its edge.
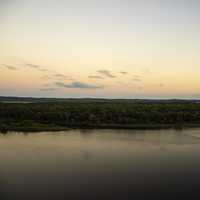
(100, 48)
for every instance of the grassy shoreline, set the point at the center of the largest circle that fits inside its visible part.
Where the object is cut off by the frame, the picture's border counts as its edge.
(96, 114)
(42, 127)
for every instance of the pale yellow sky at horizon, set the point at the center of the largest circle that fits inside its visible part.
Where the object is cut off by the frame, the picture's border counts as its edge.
(113, 49)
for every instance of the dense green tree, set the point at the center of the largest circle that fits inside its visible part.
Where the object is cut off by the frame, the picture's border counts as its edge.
(80, 114)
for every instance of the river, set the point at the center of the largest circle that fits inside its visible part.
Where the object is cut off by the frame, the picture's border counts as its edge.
(100, 164)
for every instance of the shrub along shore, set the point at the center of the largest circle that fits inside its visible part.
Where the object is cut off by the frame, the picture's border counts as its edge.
(112, 114)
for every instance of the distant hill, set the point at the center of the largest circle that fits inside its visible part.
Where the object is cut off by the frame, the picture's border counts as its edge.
(13, 99)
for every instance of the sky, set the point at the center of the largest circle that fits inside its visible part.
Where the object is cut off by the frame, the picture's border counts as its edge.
(100, 48)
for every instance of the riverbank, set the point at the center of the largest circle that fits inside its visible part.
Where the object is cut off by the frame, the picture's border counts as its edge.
(95, 114)
(45, 127)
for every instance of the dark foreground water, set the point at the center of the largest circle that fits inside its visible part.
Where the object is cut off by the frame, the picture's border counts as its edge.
(100, 164)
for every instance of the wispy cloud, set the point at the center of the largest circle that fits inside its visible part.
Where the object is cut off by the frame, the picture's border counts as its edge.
(137, 79)
(95, 77)
(33, 66)
(136, 76)
(45, 77)
(139, 88)
(47, 89)
(146, 70)
(123, 72)
(60, 76)
(79, 85)
(106, 73)
(38, 67)
(46, 85)
(50, 75)
(44, 70)
(10, 67)
(161, 85)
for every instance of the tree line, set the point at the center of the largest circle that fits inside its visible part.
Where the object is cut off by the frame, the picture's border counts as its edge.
(98, 114)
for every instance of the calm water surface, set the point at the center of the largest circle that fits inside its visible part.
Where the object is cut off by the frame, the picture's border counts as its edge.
(100, 164)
